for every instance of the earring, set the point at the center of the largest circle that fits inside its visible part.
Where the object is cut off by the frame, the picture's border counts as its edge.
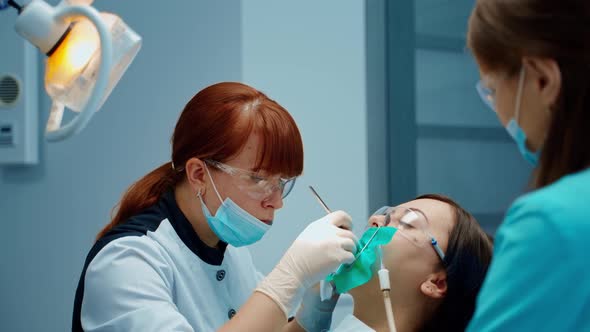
(199, 193)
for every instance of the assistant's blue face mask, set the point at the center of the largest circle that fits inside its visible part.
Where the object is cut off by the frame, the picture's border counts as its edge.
(513, 128)
(520, 138)
(231, 223)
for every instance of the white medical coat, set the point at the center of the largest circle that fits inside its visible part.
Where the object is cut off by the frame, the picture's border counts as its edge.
(153, 273)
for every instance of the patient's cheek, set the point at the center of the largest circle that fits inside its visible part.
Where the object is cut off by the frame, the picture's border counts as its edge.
(390, 255)
(398, 253)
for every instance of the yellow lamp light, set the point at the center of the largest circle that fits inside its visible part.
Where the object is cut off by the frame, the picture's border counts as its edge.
(72, 55)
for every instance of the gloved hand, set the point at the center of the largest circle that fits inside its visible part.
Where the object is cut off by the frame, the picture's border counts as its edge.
(315, 314)
(317, 251)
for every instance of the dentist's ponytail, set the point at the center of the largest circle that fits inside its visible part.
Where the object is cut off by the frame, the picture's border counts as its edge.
(143, 194)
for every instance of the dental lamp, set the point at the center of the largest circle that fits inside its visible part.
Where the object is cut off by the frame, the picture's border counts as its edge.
(87, 53)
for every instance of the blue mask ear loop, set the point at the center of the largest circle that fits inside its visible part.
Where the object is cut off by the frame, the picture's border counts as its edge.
(519, 95)
(385, 286)
(213, 183)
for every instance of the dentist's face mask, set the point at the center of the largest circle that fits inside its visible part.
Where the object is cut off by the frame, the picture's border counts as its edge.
(231, 223)
(515, 131)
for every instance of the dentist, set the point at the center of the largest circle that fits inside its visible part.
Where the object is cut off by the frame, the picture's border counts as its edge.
(174, 256)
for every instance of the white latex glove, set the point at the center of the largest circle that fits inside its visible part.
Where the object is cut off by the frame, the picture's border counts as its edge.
(318, 250)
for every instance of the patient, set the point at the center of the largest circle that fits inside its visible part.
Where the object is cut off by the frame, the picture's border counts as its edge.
(430, 290)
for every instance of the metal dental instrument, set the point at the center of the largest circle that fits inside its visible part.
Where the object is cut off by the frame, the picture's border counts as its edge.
(320, 200)
(366, 245)
(326, 289)
(329, 211)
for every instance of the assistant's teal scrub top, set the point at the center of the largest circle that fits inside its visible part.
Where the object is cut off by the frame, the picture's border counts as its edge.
(539, 279)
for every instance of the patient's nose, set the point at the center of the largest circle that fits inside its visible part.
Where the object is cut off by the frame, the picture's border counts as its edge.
(376, 221)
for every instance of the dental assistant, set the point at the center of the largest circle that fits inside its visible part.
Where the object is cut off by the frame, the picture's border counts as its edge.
(174, 256)
(534, 61)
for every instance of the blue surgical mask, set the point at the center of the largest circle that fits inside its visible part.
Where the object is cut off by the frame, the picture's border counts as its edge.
(517, 132)
(231, 223)
(520, 137)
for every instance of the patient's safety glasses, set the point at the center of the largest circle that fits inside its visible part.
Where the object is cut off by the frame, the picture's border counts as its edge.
(412, 224)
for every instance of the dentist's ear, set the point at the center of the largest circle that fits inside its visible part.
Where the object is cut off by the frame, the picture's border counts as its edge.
(195, 174)
(547, 76)
(435, 286)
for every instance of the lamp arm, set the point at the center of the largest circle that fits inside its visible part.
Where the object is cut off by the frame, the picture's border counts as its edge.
(106, 50)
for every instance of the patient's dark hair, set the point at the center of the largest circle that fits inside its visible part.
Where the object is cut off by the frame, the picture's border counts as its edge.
(466, 262)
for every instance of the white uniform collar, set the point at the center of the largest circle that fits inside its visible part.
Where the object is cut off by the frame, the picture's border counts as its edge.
(190, 238)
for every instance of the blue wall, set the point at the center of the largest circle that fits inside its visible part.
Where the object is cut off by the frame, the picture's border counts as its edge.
(50, 213)
(462, 149)
(312, 62)
(310, 56)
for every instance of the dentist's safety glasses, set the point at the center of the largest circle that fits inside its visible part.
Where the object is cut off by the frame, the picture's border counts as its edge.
(412, 224)
(253, 184)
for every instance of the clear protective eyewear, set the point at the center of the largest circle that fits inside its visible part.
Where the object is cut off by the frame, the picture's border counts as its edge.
(487, 95)
(253, 184)
(412, 224)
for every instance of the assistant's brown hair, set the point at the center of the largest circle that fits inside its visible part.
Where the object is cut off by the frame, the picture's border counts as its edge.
(502, 32)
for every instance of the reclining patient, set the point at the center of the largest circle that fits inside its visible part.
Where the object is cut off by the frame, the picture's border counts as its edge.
(434, 284)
